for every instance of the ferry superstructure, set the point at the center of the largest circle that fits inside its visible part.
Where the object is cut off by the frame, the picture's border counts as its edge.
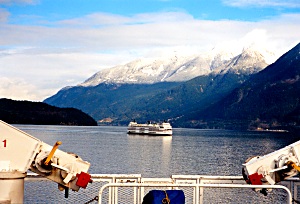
(158, 129)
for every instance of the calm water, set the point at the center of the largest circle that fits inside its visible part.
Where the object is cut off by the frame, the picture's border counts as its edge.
(189, 151)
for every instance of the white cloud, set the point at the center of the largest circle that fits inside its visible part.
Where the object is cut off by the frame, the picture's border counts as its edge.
(33, 74)
(144, 31)
(263, 3)
(18, 89)
(136, 33)
(68, 52)
(96, 20)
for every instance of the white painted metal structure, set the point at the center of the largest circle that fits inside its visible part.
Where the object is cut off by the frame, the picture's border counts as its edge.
(20, 152)
(195, 186)
(11, 187)
(274, 167)
(131, 188)
(196, 182)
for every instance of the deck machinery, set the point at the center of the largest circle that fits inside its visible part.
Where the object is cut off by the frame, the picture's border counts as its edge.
(272, 168)
(20, 152)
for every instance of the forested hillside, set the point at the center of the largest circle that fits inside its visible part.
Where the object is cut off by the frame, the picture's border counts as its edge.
(26, 112)
(269, 99)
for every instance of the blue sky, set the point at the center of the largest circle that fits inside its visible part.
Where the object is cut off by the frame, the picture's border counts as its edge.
(56, 10)
(46, 45)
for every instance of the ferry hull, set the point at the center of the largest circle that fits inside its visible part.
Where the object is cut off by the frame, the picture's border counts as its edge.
(150, 133)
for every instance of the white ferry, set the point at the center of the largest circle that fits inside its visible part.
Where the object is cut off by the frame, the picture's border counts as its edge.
(149, 128)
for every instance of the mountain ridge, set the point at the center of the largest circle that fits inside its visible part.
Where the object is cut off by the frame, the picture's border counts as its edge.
(271, 95)
(122, 101)
(178, 69)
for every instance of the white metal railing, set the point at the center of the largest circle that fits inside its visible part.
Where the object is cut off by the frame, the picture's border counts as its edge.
(113, 188)
(197, 201)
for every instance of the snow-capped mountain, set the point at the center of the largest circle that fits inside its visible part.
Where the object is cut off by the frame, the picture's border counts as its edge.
(230, 97)
(248, 62)
(179, 68)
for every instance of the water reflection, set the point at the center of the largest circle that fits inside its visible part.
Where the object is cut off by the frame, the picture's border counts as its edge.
(152, 153)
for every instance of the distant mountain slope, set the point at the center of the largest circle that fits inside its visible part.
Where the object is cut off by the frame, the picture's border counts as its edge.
(25, 112)
(110, 101)
(195, 94)
(272, 95)
(124, 102)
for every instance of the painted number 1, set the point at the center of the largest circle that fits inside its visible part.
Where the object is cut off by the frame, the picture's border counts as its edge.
(4, 141)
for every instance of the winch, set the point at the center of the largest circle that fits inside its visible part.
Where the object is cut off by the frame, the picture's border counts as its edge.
(273, 167)
(20, 152)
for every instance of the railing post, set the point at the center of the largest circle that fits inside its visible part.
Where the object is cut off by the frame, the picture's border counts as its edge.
(201, 192)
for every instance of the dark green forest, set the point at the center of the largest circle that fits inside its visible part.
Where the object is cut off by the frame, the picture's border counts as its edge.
(26, 112)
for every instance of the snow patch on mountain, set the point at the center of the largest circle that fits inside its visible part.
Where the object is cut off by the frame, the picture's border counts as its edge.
(182, 68)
